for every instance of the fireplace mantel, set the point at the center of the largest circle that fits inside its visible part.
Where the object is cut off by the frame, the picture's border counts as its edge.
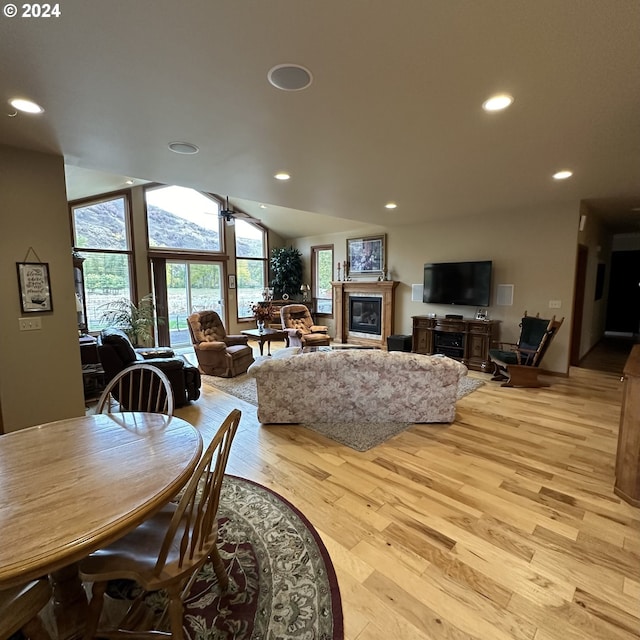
(341, 293)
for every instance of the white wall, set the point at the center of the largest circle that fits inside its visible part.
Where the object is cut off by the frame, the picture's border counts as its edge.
(40, 372)
(534, 250)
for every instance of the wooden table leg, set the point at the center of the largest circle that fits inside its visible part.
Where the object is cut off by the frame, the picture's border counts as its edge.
(261, 344)
(69, 602)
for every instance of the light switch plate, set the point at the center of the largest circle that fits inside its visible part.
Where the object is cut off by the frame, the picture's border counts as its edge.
(30, 324)
(555, 304)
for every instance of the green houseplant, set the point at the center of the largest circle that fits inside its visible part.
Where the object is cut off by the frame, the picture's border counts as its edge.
(135, 320)
(287, 270)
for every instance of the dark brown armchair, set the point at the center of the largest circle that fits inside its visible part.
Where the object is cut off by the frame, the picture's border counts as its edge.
(218, 353)
(302, 332)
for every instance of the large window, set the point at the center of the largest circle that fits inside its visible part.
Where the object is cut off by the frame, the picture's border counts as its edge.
(321, 276)
(182, 219)
(251, 265)
(101, 234)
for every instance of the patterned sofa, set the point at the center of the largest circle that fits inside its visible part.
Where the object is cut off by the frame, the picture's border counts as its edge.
(367, 385)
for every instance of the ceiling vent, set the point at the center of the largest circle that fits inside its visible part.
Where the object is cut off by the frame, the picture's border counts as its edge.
(290, 77)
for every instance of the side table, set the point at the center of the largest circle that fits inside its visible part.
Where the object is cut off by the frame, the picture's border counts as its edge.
(266, 335)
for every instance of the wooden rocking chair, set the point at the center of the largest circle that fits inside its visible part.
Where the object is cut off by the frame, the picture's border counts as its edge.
(518, 364)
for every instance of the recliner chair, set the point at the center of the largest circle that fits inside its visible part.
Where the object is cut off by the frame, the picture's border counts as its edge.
(298, 323)
(116, 353)
(218, 353)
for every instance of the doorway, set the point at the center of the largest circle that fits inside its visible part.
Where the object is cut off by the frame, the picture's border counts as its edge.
(191, 286)
(578, 304)
(623, 308)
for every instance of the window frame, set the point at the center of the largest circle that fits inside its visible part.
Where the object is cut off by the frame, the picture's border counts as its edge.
(172, 251)
(264, 260)
(80, 203)
(315, 253)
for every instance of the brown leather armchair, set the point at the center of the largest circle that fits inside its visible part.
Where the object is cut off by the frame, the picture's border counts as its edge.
(218, 353)
(298, 323)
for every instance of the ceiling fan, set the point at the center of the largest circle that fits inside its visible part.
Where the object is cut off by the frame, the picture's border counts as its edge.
(227, 214)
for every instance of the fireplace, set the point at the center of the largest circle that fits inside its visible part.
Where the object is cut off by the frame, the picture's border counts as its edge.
(364, 314)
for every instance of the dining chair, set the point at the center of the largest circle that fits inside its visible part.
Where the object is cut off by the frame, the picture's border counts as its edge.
(19, 608)
(138, 387)
(167, 550)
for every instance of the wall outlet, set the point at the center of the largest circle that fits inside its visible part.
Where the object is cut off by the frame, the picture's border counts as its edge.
(30, 324)
(555, 304)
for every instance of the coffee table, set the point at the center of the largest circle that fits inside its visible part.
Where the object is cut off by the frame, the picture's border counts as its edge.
(266, 335)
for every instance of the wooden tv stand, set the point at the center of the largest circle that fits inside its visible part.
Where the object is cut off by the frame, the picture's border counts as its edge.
(465, 340)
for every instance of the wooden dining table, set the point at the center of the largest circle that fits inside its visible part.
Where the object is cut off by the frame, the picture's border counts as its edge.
(73, 486)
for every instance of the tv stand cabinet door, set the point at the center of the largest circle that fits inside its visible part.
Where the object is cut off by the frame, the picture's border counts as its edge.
(480, 335)
(423, 335)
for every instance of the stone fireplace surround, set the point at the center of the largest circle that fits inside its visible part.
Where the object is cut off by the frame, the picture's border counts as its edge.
(342, 291)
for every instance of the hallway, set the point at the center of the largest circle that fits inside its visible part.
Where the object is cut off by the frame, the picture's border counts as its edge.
(610, 354)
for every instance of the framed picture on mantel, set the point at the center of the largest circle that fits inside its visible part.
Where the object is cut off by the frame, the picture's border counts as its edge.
(366, 256)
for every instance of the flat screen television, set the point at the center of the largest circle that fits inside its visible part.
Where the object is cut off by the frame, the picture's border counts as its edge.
(466, 283)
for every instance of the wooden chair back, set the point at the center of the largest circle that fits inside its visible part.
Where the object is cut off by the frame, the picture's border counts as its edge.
(194, 525)
(535, 337)
(167, 550)
(138, 387)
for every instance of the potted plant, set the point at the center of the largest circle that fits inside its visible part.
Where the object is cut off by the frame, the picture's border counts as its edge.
(287, 269)
(135, 320)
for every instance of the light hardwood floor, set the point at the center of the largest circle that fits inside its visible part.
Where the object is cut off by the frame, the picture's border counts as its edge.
(500, 526)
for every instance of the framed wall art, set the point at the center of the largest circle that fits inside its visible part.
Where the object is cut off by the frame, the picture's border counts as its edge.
(34, 286)
(366, 256)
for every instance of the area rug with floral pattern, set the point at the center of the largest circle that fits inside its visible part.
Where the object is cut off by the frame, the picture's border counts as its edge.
(282, 582)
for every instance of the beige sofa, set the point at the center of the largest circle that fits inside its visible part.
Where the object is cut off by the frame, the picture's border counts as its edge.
(356, 386)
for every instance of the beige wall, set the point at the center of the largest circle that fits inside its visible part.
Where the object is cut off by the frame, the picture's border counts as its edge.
(41, 375)
(533, 250)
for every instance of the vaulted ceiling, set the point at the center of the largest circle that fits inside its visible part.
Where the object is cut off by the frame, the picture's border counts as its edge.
(393, 112)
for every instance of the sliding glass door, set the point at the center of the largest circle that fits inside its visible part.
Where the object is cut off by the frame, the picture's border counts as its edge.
(191, 286)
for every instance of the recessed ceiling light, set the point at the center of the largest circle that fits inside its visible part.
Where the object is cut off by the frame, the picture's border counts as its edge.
(562, 175)
(390, 205)
(290, 77)
(263, 206)
(27, 106)
(497, 102)
(185, 148)
(282, 175)
(129, 181)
